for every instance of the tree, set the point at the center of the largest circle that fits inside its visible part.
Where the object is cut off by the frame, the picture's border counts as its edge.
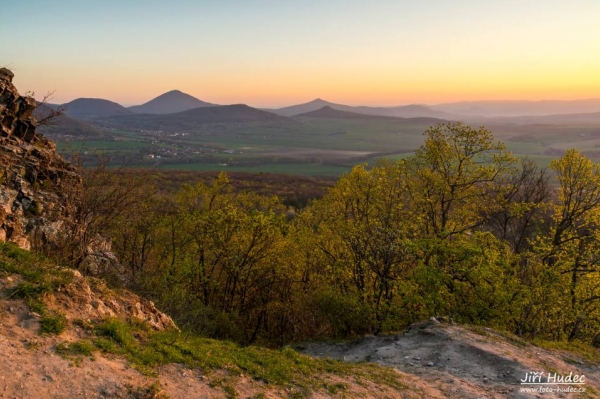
(454, 183)
(568, 265)
(521, 214)
(362, 232)
(222, 261)
(453, 176)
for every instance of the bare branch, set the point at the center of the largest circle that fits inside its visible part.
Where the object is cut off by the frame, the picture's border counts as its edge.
(46, 115)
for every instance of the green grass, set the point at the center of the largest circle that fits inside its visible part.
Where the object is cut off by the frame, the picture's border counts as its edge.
(40, 275)
(582, 349)
(110, 145)
(256, 140)
(324, 133)
(283, 368)
(30, 290)
(82, 348)
(52, 323)
(76, 351)
(40, 278)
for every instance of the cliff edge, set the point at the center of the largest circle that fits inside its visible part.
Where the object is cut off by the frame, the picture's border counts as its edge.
(37, 186)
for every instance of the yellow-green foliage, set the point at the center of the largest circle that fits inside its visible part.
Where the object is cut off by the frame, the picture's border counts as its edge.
(211, 257)
(566, 289)
(461, 229)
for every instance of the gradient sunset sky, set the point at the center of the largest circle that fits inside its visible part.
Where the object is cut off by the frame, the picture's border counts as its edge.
(278, 53)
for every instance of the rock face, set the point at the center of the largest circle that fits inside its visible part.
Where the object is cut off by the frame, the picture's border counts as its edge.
(90, 299)
(36, 185)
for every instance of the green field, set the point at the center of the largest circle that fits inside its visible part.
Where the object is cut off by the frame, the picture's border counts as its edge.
(311, 146)
(279, 168)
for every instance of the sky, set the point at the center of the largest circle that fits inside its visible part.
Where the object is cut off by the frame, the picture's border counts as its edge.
(276, 53)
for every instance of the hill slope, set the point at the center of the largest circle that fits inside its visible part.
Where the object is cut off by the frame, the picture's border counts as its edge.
(92, 108)
(169, 103)
(592, 118)
(63, 125)
(193, 119)
(329, 112)
(332, 113)
(467, 362)
(407, 111)
(226, 113)
(66, 336)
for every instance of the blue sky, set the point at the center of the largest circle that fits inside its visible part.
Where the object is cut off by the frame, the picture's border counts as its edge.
(275, 53)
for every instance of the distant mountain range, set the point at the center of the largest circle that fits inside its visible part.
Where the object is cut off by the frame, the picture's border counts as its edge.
(178, 109)
(193, 118)
(64, 125)
(170, 103)
(407, 111)
(589, 118)
(519, 108)
(332, 113)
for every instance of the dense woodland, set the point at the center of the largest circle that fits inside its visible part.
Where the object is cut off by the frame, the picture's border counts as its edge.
(461, 229)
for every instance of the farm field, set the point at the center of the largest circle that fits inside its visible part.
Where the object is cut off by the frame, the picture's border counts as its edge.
(310, 145)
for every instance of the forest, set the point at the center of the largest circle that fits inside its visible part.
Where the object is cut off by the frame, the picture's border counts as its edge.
(461, 229)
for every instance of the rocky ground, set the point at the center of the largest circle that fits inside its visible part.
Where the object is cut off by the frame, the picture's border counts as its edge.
(460, 362)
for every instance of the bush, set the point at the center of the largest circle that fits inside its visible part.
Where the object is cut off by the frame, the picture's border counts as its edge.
(345, 314)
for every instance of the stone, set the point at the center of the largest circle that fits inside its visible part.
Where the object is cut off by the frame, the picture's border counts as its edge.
(38, 188)
(6, 74)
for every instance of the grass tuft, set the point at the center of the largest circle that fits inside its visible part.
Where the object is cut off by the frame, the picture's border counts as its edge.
(53, 323)
(118, 331)
(28, 290)
(82, 348)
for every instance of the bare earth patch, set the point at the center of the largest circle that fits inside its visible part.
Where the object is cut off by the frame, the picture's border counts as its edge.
(462, 362)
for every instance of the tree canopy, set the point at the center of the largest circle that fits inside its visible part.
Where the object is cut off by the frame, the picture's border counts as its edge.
(461, 229)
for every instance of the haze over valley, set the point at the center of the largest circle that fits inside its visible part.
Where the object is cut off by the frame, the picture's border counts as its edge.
(176, 130)
(135, 81)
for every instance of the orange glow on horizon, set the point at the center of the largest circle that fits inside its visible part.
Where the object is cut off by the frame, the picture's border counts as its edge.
(352, 85)
(272, 55)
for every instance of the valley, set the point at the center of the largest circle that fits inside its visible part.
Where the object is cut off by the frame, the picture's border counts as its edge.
(320, 138)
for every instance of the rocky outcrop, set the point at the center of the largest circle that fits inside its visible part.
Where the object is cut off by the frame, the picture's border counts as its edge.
(37, 187)
(90, 299)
